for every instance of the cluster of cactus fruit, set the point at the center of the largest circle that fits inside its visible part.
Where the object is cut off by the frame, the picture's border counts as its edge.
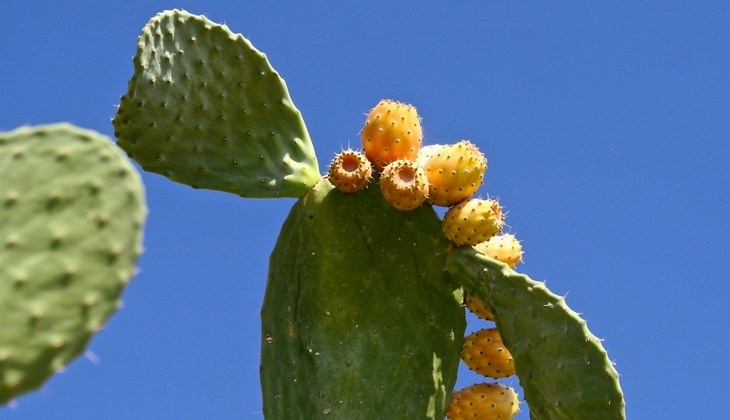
(363, 314)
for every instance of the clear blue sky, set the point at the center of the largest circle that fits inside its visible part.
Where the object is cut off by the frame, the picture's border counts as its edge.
(606, 126)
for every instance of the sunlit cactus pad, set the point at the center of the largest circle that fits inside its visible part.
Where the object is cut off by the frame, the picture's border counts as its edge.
(206, 109)
(71, 215)
(563, 368)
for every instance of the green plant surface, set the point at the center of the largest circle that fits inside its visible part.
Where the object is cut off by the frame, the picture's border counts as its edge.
(563, 368)
(206, 109)
(360, 319)
(72, 210)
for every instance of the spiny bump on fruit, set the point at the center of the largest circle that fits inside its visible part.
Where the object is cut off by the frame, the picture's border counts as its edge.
(404, 185)
(505, 248)
(478, 308)
(483, 401)
(392, 131)
(473, 221)
(485, 353)
(455, 172)
(350, 171)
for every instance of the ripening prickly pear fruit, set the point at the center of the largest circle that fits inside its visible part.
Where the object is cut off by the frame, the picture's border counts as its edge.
(454, 172)
(392, 131)
(478, 308)
(473, 221)
(350, 171)
(485, 353)
(483, 401)
(404, 185)
(425, 153)
(505, 248)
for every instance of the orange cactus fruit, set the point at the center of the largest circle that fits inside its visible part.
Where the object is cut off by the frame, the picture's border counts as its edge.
(455, 172)
(472, 221)
(404, 185)
(392, 131)
(478, 308)
(483, 401)
(484, 353)
(350, 171)
(505, 248)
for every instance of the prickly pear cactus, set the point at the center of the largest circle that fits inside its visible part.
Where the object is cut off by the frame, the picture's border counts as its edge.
(563, 368)
(71, 215)
(206, 109)
(362, 315)
(360, 320)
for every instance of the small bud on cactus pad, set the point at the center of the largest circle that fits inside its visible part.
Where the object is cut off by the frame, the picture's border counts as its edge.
(392, 131)
(484, 353)
(473, 221)
(483, 401)
(478, 308)
(404, 185)
(505, 248)
(350, 171)
(454, 172)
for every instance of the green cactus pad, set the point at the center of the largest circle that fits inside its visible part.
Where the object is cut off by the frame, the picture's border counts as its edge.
(71, 215)
(563, 368)
(206, 109)
(360, 320)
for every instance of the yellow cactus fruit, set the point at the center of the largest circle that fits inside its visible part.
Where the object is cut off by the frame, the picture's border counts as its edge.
(478, 308)
(392, 131)
(484, 353)
(455, 172)
(404, 185)
(472, 221)
(350, 171)
(505, 248)
(483, 401)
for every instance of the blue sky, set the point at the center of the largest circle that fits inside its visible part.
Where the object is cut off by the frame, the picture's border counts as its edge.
(606, 126)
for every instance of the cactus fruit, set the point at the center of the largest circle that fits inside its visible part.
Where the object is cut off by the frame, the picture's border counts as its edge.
(485, 353)
(505, 248)
(404, 185)
(484, 401)
(206, 109)
(71, 215)
(392, 131)
(350, 171)
(425, 153)
(473, 221)
(563, 368)
(478, 308)
(455, 172)
(359, 320)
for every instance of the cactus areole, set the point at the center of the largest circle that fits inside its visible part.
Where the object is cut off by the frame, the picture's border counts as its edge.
(360, 320)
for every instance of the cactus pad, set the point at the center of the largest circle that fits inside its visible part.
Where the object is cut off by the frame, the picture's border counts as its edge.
(563, 368)
(360, 320)
(206, 109)
(71, 215)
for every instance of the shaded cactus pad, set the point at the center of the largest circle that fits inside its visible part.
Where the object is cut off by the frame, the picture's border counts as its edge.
(206, 109)
(563, 368)
(360, 320)
(71, 215)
